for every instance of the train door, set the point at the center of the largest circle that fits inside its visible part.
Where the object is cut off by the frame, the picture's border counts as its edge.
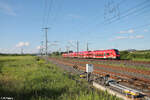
(104, 55)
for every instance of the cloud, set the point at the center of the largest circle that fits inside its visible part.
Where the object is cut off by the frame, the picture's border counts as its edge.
(131, 31)
(74, 16)
(38, 47)
(72, 43)
(54, 44)
(122, 32)
(7, 9)
(18, 50)
(23, 44)
(121, 37)
(128, 31)
(129, 37)
(139, 37)
(146, 30)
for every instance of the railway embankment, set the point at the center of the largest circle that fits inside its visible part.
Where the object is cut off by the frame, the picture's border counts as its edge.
(134, 83)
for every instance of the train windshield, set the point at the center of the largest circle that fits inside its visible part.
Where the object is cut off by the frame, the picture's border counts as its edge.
(117, 52)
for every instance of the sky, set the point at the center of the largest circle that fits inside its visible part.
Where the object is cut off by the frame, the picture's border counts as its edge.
(103, 24)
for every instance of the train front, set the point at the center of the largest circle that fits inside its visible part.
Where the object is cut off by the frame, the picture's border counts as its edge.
(117, 54)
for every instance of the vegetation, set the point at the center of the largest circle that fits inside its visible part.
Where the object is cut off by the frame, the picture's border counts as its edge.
(136, 55)
(141, 55)
(5, 54)
(55, 54)
(31, 78)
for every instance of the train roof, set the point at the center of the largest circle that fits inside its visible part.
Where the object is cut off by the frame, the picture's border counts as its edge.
(106, 50)
(93, 51)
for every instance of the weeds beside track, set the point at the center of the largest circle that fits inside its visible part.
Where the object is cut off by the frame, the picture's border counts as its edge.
(30, 78)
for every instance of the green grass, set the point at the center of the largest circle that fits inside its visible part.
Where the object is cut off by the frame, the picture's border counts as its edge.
(113, 64)
(141, 59)
(143, 55)
(123, 65)
(29, 78)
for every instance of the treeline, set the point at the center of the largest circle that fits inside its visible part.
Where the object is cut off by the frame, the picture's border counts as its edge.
(134, 55)
(57, 53)
(2, 54)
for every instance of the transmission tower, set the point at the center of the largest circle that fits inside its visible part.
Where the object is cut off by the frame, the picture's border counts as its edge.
(46, 40)
(42, 48)
(87, 46)
(77, 46)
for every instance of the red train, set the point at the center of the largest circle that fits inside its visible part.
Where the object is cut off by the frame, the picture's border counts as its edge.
(105, 54)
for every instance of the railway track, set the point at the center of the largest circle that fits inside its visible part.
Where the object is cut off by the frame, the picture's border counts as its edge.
(117, 68)
(123, 62)
(142, 84)
(133, 78)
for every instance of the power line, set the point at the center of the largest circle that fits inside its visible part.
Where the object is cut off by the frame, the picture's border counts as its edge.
(49, 11)
(137, 27)
(130, 11)
(44, 13)
(129, 14)
(141, 26)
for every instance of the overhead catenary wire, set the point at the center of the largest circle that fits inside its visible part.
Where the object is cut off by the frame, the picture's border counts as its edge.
(133, 28)
(49, 11)
(44, 13)
(137, 12)
(48, 4)
(129, 14)
(130, 11)
(137, 27)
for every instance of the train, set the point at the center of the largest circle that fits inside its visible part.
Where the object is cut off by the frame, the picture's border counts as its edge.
(104, 54)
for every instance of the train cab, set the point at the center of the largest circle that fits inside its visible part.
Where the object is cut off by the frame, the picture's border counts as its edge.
(117, 54)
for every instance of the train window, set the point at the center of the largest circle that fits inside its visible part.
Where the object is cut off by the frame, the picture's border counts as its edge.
(117, 52)
(108, 54)
(88, 54)
(104, 54)
(99, 55)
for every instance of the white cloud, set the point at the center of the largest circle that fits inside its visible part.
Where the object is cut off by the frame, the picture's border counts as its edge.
(23, 44)
(54, 43)
(128, 31)
(38, 47)
(129, 37)
(74, 16)
(139, 37)
(146, 30)
(122, 32)
(18, 50)
(121, 37)
(26, 43)
(7, 9)
(131, 31)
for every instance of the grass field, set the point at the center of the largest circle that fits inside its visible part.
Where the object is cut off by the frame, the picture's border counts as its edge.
(143, 55)
(27, 78)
